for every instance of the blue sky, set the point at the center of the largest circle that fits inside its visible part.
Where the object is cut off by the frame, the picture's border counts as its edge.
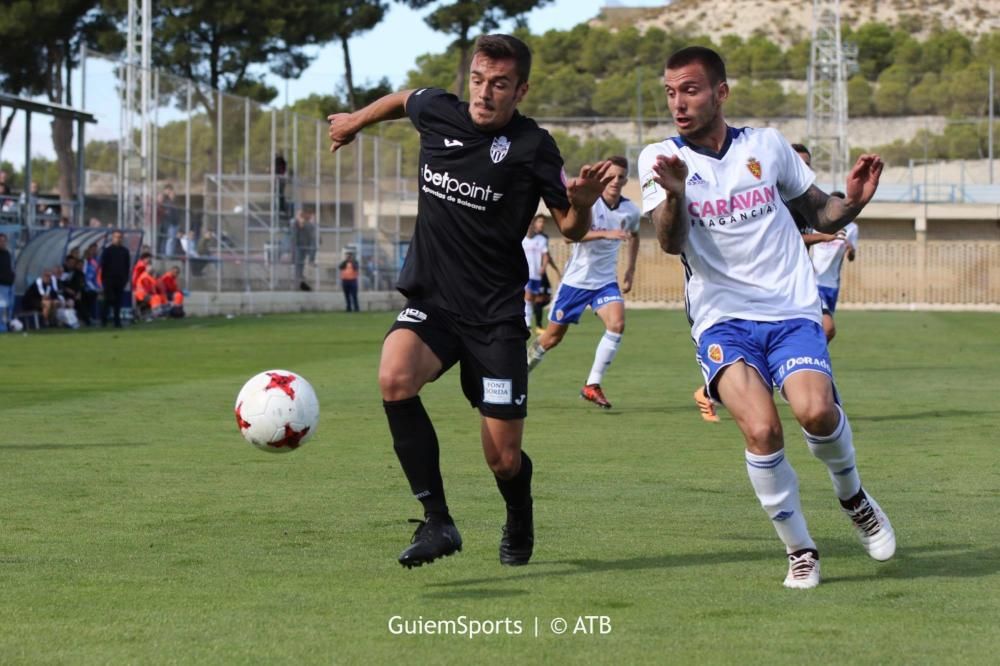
(391, 49)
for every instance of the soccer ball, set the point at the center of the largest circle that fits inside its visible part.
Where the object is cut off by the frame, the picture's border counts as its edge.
(277, 411)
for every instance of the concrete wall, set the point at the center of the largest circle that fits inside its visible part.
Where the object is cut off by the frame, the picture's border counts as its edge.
(202, 304)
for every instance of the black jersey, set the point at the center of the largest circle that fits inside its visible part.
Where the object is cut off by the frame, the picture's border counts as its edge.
(478, 193)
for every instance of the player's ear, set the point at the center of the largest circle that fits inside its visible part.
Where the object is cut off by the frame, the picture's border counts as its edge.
(522, 90)
(723, 91)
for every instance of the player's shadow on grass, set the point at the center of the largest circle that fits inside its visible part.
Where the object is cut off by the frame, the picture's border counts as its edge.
(56, 447)
(575, 567)
(944, 561)
(914, 416)
(932, 561)
(477, 593)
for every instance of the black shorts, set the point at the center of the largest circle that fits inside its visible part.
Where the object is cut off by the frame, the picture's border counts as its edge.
(493, 361)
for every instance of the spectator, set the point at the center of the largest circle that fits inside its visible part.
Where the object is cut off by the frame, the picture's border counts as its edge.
(6, 280)
(145, 260)
(166, 211)
(4, 186)
(94, 223)
(178, 247)
(168, 283)
(349, 281)
(42, 297)
(72, 284)
(280, 174)
(206, 246)
(115, 262)
(189, 244)
(144, 291)
(91, 284)
(304, 241)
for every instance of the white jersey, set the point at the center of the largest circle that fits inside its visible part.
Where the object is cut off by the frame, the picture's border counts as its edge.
(534, 249)
(593, 264)
(828, 258)
(744, 257)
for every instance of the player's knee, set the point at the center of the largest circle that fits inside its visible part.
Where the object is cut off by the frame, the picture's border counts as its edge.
(505, 464)
(397, 384)
(819, 418)
(763, 437)
(552, 338)
(616, 326)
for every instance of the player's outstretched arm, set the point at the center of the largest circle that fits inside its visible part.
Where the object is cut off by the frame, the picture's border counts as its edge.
(633, 255)
(670, 173)
(830, 214)
(345, 126)
(582, 193)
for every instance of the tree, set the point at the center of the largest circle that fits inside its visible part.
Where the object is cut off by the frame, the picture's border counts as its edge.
(222, 47)
(875, 43)
(356, 17)
(461, 16)
(39, 47)
(893, 89)
(859, 96)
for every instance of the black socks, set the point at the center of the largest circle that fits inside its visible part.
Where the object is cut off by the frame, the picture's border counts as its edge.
(416, 446)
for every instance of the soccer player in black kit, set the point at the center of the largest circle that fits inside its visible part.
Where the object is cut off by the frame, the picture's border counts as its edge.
(483, 167)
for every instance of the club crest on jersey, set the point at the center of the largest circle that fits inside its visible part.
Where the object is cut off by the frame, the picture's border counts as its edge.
(499, 149)
(754, 166)
(715, 353)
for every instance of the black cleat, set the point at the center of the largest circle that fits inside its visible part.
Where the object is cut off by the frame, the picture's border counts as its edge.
(518, 540)
(435, 537)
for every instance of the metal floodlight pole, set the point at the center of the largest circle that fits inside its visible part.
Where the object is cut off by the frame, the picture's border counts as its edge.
(317, 201)
(246, 193)
(187, 180)
(275, 253)
(218, 192)
(989, 141)
(827, 93)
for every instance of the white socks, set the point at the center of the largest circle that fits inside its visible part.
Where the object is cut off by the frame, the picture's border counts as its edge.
(606, 350)
(777, 488)
(837, 451)
(529, 313)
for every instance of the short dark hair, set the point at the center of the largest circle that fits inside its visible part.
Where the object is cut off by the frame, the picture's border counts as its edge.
(503, 47)
(801, 148)
(619, 161)
(706, 57)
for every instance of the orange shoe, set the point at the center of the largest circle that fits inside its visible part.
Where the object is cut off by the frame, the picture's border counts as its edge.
(706, 405)
(593, 393)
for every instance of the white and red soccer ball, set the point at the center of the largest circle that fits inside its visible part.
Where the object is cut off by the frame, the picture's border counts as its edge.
(277, 411)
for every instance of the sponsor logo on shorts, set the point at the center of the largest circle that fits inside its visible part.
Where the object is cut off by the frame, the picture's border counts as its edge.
(520, 401)
(412, 316)
(498, 391)
(559, 315)
(805, 362)
(715, 353)
(603, 300)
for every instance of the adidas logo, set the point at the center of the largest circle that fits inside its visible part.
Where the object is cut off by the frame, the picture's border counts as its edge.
(696, 180)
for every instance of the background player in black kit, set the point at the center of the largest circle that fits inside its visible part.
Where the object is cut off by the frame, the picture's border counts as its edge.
(483, 168)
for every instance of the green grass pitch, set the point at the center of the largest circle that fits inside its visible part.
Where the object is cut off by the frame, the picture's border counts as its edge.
(136, 526)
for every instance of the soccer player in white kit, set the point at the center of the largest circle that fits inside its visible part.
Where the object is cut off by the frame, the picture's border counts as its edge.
(590, 278)
(715, 194)
(536, 253)
(828, 252)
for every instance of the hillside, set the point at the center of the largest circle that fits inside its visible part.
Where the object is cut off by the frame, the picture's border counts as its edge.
(788, 21)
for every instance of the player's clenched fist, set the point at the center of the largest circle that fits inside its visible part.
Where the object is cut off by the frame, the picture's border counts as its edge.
(342, 130)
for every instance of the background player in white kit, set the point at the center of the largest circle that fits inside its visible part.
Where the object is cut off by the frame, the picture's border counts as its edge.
(828, 252)
(590, 278)
(536, 253)
(715, 194)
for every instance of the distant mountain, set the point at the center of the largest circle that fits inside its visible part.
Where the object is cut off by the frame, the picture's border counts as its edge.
(787, 21)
